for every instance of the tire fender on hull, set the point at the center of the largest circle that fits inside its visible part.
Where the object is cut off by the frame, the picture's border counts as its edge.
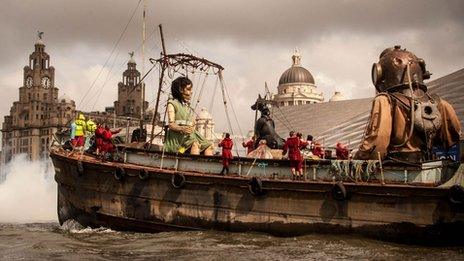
(80, 168)
(119, 173)
(338, 191)
(178, 180)
(255, 186)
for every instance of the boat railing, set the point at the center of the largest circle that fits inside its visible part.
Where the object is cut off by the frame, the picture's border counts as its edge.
(356, 171)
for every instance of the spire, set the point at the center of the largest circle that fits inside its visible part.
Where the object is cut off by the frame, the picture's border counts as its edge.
(39, 38)
(296, 57)
(131, 59)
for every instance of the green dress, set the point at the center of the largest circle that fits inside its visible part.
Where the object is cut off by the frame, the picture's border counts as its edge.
(178, 142)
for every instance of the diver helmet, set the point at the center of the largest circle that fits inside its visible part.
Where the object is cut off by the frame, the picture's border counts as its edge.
(391, 72)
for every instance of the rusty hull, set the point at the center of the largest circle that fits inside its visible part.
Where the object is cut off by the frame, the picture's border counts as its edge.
(94, 197)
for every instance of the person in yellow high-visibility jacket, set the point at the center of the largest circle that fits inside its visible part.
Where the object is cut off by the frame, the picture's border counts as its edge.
(90, 131)
(81, 127)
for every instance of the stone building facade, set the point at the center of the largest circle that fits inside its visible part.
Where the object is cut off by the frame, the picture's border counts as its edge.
(39, 113)
(297, 86)
(130, 92)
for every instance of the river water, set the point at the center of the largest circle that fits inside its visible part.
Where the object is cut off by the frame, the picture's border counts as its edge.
(29, 231)
(45, 241)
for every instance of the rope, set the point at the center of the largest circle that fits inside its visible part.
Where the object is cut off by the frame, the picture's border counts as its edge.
(214, 95)
(252, 165)
(225, 107)
(291, 127)
(200, 92)
(283, 122)
(97, 97)
(233, 109)
(111, 53)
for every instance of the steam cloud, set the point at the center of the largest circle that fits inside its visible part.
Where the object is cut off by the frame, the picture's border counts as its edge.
(28, 191)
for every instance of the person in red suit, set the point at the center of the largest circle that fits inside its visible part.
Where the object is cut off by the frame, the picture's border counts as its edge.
(292, 146)
(250, 145)
(99, 139)
(226, 145)
(318, 150)
(342, 151)
(108, 146)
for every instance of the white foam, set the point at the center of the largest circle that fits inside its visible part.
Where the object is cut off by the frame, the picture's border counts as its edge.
(74, 227)
(28, 191)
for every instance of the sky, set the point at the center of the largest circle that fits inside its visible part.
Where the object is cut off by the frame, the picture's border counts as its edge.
(253, 40)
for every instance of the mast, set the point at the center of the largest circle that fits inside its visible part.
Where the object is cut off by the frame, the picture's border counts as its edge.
(160, 84)
(142, 107)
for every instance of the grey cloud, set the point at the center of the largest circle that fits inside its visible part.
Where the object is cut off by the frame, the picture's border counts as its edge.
(339, 40)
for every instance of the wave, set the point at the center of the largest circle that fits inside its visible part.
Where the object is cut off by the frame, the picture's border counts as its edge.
(74, 227)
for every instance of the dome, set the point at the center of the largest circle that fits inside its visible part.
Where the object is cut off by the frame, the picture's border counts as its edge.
(296, 73)
(65, 99)
(337, 97)
(204, 114)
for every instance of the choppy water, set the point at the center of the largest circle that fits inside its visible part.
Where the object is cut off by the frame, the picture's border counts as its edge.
(28, 194)
(47, 241)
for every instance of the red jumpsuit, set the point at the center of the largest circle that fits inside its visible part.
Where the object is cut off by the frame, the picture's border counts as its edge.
(342, 152)
(99, 138)
(250, 145)
(107, 144)
(317, 150)
(292, 145)
(226, 145)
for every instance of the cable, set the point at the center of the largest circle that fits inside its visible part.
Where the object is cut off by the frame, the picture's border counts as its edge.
(111, 54)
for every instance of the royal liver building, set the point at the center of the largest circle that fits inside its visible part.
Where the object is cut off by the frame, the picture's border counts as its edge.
(38, 113)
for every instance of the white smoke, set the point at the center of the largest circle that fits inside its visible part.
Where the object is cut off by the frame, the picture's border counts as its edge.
(27, 191)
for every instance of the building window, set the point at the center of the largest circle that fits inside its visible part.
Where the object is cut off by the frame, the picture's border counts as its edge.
(45, 96)
(24, 142)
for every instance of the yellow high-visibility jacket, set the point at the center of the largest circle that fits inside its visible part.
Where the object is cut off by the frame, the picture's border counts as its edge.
(91, 126)
(80, 127)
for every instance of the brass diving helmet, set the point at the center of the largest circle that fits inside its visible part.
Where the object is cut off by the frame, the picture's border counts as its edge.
(397, 68)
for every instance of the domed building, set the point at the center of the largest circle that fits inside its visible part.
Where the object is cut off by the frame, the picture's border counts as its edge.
(205, 124)
(297, 86)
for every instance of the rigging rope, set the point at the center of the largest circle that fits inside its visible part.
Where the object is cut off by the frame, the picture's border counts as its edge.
(97, 97)
(111, 53)
(283, 122)
(214, 95)
(201, 92)
(221, 79)
(285, 118)
(233, 109)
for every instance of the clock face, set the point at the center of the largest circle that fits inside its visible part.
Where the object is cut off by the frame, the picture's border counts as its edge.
(46, 82)
(29, 81)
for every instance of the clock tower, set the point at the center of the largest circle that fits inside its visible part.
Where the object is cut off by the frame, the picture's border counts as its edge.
(39, 113)
(130, 90)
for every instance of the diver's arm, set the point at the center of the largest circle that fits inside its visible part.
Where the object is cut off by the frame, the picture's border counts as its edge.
(377, 135)
(451, 128)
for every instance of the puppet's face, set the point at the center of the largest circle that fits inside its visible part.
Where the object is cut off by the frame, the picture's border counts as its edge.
(186, 93)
